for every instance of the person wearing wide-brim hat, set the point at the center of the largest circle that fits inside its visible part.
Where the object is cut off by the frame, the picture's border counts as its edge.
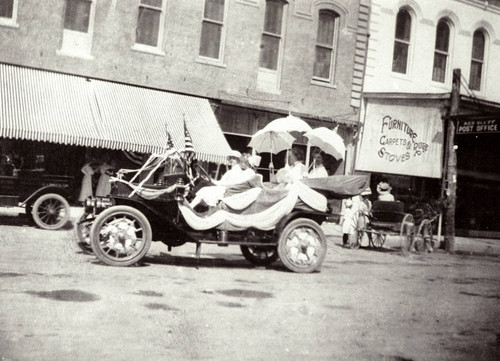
(384, 192)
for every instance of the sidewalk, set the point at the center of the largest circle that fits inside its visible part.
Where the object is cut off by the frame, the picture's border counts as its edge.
(463, 245)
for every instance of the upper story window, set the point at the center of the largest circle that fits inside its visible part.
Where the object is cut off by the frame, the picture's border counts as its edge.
(402, 42)
(78, 27)
(8, 12)
(441, 52)
(477, 61)
(150, 20)
(325, 46)
(212, 29)
(271, 43)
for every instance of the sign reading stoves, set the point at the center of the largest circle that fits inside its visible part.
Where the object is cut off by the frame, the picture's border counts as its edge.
(478, 126)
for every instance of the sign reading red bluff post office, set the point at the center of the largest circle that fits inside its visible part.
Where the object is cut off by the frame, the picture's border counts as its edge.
(403, 138)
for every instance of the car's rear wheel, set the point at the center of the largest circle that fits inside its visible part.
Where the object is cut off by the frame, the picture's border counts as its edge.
(260, 255)
(120, 236)
(302, 246)
(50, 211)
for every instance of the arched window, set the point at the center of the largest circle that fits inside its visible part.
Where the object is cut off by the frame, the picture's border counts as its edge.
(441, 51)
(325, 45)
(401, 42)
(477, 60)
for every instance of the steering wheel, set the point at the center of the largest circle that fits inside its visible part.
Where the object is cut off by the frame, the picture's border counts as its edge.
(201, 173)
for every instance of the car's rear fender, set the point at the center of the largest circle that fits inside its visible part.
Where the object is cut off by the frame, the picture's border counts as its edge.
(317, 217)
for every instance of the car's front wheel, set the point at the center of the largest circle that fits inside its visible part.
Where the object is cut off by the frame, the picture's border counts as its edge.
(50, 211)
(120, 236)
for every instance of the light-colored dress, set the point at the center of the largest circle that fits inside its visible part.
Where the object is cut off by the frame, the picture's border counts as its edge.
(386, 197)
(318, 172)
(86, 190)
(211, 195)
(104, 186)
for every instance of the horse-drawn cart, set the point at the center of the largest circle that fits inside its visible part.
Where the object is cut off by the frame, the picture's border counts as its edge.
(413, 226)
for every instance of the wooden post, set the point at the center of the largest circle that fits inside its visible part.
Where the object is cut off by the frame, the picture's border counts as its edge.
(451, 168)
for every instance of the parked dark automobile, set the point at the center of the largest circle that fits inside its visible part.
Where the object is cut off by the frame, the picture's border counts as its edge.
(44, 196)
(273, 223)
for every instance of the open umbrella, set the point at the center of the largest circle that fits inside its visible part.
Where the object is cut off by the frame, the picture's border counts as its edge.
(270, 141)
(290, 123)
(327, 140)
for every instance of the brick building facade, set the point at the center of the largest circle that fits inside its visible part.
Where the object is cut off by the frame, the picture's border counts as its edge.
(255, 60)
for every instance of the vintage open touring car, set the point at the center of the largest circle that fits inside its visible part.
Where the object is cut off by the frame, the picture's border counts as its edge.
(267, 221)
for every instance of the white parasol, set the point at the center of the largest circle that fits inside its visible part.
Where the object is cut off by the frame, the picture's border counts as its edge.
(271, 141)
(328, 141)
(290, 123)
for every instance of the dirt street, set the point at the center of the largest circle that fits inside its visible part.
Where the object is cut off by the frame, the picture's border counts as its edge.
(59, 304)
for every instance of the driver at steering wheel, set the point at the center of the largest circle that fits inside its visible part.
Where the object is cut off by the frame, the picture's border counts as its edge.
(240, 172)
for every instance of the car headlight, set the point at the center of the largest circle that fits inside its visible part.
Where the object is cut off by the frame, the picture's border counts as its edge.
(103, 202)
(97, 204)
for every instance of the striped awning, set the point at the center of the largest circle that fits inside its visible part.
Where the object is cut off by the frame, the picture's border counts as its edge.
(44, 106)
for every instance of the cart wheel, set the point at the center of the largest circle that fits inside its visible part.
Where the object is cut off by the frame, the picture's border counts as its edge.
(82, 228)
(50, 211)
(359, 233)
(377, 240)
(302, 246)
(260, 255)
(407, 234)
(120, 236)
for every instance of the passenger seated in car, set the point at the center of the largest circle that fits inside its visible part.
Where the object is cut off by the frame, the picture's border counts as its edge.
(293, 171)
(211, 195)
(318, 170)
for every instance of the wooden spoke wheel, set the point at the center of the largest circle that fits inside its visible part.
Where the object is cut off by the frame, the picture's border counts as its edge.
(302, 246)
(50, 211)
(120, 236)
(377, 240)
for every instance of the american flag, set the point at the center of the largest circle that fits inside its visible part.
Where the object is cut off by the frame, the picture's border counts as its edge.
(188, 144)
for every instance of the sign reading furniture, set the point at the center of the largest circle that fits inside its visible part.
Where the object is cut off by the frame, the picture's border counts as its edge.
(402, 137)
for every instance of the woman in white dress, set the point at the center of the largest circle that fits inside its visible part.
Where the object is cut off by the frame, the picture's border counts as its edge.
(318, 169)
(88, 171)
(104, 186)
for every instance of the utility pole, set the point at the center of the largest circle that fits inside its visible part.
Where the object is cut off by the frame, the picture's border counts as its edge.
(451, 165)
